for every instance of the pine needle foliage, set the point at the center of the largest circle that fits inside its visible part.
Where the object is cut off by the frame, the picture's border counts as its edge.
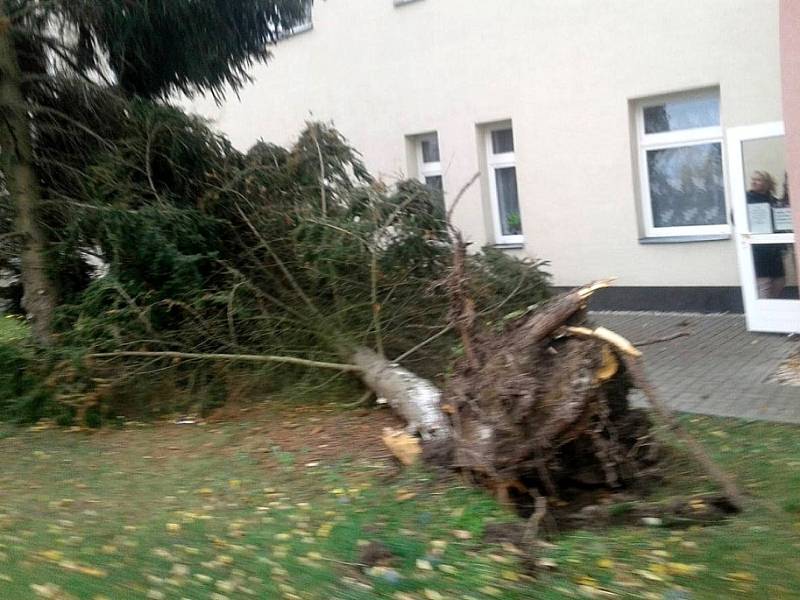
(154, 48)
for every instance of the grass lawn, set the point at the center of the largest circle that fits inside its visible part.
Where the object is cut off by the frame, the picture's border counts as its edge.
(279, 504)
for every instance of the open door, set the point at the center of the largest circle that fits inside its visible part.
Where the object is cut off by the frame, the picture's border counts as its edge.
(763, 228)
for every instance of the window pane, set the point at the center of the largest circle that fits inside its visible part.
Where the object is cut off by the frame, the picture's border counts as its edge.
(510, 223)
(435, 182)
(776, 275)
(767, 185)
(307, 8)
(502, 141)
(430, 149)
(686, 186)
(688, 113)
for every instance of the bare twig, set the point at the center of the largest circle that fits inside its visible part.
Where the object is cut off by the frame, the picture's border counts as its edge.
(362, 400)
(339, 229)
(289, 277)
(449, 328)
(639, 378)
(532, 528)
(291, 360)
(38, 108)
(151, 133)
(396, 213)
(462, 312)
(140, 313)
(261, 293)
(376, 306)
(424, 343)
(341, 562)
(313, 129)
(462, 307)
(460, 195)
(231, 324)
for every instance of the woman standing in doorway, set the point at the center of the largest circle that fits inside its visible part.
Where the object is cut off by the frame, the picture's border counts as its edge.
(767, 258)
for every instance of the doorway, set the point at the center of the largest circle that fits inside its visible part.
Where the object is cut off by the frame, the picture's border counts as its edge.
(763, 228)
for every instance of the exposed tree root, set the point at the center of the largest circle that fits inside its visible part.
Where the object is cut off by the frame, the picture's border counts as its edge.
(540, 409)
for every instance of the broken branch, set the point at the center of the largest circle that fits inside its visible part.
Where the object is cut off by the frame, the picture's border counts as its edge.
(640, 380)
(607, 336)
(232, 357)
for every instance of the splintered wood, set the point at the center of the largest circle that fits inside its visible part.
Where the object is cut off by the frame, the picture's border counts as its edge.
(405, 447)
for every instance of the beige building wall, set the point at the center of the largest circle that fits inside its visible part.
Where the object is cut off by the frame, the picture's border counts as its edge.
(563, 71)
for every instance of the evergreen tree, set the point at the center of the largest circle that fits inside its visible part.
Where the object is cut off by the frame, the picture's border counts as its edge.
(144, 48)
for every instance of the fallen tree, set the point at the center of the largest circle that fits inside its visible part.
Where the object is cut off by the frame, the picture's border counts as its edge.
(538, 407)
(299, 259)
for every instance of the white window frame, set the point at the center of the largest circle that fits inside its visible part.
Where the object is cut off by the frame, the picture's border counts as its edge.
(677, 139)
(494, 162)
(430, 169)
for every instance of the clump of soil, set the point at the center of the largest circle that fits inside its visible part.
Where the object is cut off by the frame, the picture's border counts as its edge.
(375, 554)
(537, 412)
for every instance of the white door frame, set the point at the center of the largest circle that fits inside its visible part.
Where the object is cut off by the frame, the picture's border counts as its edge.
(767, 315)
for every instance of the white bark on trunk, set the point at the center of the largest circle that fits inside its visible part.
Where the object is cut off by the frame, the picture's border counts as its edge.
(413, 398)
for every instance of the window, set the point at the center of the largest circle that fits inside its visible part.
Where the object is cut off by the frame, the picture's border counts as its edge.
(502, 170)
(680, 165)
(306, 24)
(429, 163)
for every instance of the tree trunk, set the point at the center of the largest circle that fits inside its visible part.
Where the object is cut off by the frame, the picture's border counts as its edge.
(415, 399)
(22, 183)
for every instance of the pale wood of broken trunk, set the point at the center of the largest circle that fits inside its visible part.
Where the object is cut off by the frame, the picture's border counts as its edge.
(413, 398)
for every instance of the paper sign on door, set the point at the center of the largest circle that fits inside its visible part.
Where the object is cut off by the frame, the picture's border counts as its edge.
(760, 215)
(782, 218)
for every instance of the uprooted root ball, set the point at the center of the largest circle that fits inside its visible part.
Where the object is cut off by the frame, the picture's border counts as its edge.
(546, 415)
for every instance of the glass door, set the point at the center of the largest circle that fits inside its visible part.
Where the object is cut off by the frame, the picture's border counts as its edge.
(763, 228)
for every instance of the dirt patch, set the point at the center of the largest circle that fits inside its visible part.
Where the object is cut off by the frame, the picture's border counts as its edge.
(375, 554)
(321, 433)
(504, 533)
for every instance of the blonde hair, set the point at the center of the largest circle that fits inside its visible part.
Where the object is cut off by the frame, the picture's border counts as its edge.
(768, 179)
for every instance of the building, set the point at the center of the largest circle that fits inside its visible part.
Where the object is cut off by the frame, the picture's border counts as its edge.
(613, 138)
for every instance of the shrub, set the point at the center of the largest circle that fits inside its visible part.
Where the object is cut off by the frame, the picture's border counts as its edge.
(23, 395)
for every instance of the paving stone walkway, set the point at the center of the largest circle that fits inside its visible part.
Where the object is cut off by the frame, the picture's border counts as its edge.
(720, 369)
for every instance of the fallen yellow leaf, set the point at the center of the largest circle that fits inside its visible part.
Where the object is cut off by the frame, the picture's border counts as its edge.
(681, 569)
(744, 576)
(510, 575)
(53, 555)
(605, 563)
(91, 571)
